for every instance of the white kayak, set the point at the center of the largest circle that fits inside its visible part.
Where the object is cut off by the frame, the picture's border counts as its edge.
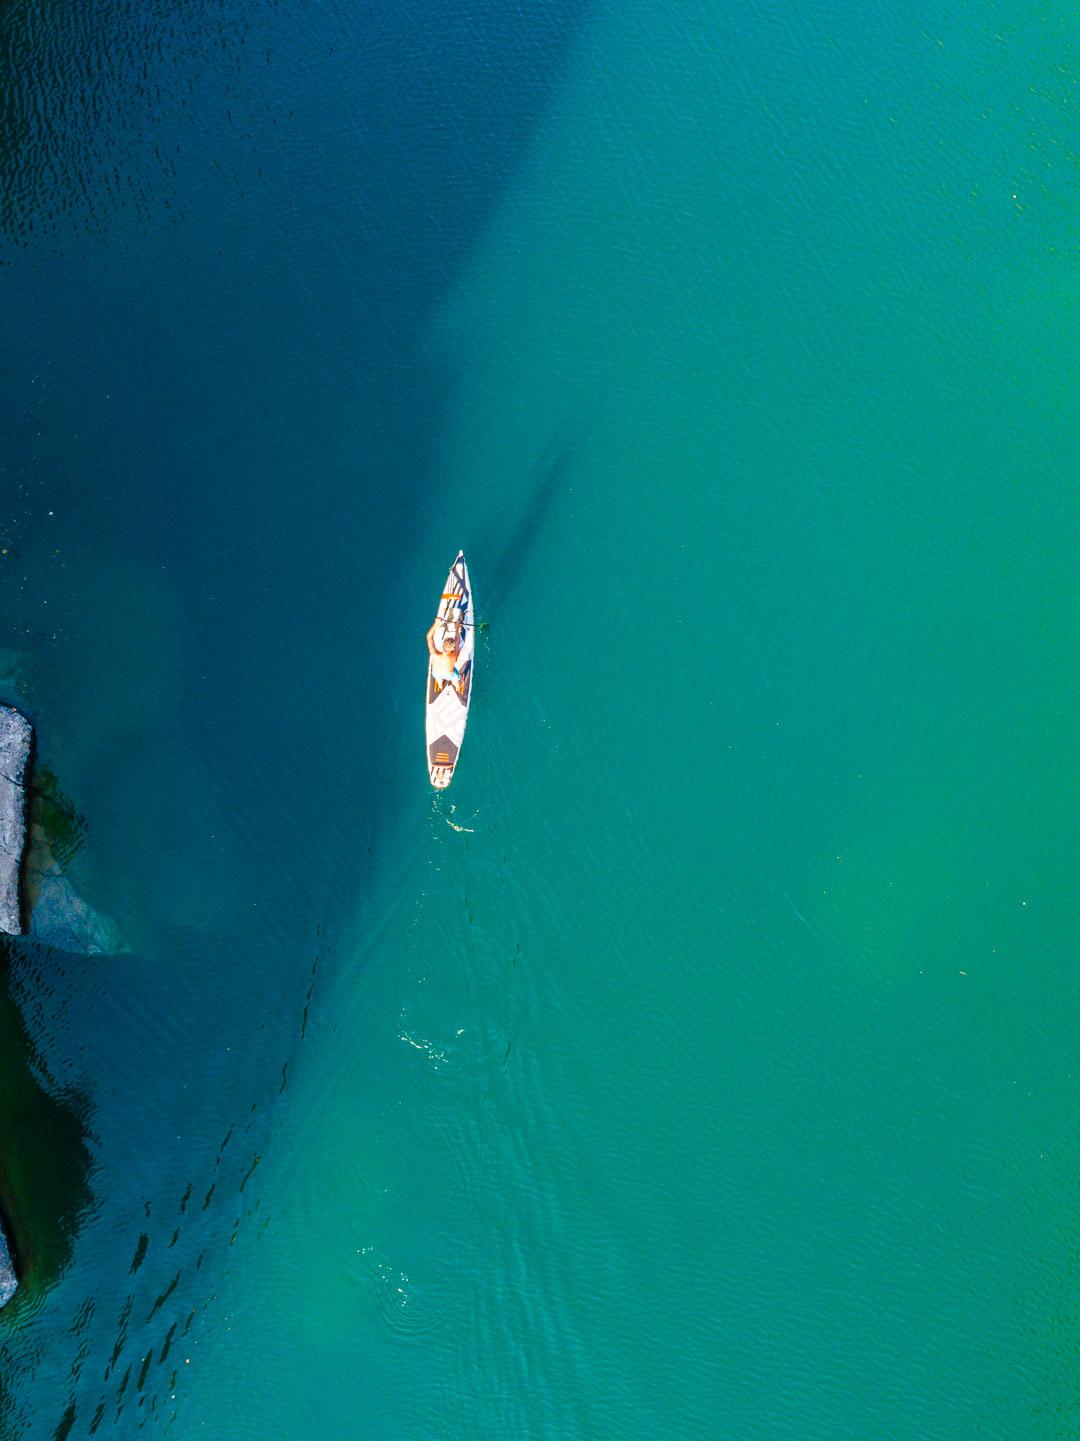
(447, 700)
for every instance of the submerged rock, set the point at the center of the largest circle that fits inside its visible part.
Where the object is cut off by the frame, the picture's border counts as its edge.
(53, 905)
(16, 735)
(59, 915)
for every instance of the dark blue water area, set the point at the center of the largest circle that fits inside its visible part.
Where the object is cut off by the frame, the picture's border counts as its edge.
(226, 228)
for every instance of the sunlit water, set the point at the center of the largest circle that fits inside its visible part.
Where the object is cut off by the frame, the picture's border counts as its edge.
(703, 1062)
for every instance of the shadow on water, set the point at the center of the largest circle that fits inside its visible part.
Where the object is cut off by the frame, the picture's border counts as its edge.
(269, 436)
(508, 556)
(224, 433)
(44, 1158)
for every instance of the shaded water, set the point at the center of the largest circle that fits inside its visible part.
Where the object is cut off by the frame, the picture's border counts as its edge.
(703, 1062)
(220, 427)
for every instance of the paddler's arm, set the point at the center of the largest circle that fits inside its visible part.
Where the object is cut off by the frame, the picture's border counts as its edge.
(430, 637)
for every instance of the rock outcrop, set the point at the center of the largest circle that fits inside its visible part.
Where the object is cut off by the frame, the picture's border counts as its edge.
(16, 736)
(8, 1284)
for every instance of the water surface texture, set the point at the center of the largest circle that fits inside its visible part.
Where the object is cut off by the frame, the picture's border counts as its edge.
(704, 1062)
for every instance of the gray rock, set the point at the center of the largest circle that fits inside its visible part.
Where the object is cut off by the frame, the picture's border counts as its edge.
(15, 739)
(8, 1282)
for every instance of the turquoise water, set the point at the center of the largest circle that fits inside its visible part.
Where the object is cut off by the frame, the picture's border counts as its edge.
(703, 1063)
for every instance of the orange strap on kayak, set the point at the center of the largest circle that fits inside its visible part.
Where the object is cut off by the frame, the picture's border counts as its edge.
(451, 595)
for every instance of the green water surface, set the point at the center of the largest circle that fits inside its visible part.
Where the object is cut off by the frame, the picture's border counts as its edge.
(703, 1064)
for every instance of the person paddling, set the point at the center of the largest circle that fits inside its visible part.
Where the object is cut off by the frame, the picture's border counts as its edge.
(444, 661)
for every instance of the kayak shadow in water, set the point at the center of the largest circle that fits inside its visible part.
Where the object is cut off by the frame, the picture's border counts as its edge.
(504, 564)
(44, 1156)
